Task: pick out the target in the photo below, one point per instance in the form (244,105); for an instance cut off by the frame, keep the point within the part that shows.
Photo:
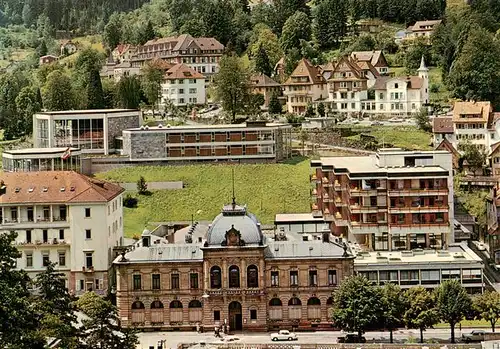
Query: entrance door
(235,316)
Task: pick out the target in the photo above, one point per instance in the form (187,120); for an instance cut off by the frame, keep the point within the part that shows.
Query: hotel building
(66,218)
(253,141)
(394,200)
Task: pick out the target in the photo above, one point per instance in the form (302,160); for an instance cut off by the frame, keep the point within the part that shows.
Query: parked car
(284,335)
(352,338)
(376,123)
(474,336)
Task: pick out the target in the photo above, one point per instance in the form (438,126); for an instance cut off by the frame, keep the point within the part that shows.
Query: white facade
(182,92)
(348,102)
(78,236)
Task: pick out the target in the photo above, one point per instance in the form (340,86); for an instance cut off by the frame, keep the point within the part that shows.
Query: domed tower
(423,73)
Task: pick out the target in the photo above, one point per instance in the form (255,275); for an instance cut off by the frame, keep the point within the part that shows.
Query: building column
(224,273)
(106,135)
(205,275)
(262,274)
(243,274)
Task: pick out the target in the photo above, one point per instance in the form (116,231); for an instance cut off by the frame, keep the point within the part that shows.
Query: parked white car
(284,335)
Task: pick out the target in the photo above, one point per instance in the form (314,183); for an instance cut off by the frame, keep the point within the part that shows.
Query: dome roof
(234,226)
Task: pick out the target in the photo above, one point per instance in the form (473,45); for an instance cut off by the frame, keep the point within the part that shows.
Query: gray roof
(237,217)
(174,252)
(303,250)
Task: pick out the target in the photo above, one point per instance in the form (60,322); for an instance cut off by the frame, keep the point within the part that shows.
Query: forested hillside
(80,16)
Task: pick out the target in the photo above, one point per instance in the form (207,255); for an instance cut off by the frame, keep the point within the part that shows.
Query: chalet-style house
(183,86)
(264,85)
(305,86)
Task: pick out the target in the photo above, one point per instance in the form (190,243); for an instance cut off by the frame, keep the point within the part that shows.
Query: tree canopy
(452,303)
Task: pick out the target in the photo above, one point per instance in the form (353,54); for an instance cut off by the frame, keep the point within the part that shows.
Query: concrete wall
(148,145)
(117,125)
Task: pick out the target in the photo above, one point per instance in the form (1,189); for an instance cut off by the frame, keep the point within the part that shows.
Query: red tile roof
(55,187)
(306,69)
(182,71)
(442,125)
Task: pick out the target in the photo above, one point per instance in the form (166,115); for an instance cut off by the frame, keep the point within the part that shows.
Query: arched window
(294,308)
(234,276)
(329,301)
(275,309)
(137,305)
(275,302)
(175,305)
(252,276)
(313,301)
(215,277)
(194,304)
(157,305)
(294,301)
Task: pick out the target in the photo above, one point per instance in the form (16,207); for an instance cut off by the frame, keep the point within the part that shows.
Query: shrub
(130,201)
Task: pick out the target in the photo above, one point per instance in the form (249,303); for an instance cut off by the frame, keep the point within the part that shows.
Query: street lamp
(192,216)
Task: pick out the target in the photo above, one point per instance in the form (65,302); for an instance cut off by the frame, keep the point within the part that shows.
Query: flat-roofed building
(394,200)
(42,159)
(92,131)
(66,218)
(427,268)
(251,141)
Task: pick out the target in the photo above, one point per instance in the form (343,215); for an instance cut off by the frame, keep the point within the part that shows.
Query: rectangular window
(192,90)
(82,285)
(174,281)
(155,281)
(62,213)
(29,259)
(30,214)
(62,259)
(61,234)
(193,280)
(294,278)
(137,282)
(87,212)
(275,278)
(13,214)
(253,314)
(332,277)
(89,259)
(313,278)
(88,234)
(28,235)
(216,315)
(45,259)
(181,91)
(97,284)
(45,235)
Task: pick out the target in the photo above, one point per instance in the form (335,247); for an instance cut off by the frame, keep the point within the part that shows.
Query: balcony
(418,192)
(48,243)
(365,228)
(339,220)
(417,209)
(41,222)
(88,269)
(365,209)
(416,228)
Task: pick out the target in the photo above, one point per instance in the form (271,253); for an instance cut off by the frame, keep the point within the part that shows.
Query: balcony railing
(53,242)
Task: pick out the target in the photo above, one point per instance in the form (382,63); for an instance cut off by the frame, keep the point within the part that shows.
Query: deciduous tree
(58,92)
(152,79)
(28,103)
(112,31)
(296,28)
(262,64)
(488,306)
(452,303)
(474,155)
(321,110)
(231,85)
(393,306)
(128,93)
(356,305)
(420,309)
(95,94)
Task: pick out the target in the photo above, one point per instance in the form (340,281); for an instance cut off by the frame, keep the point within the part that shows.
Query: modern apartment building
(394,200)
(92,131)
(305,85)
(252,141)
(234,275)
(183,86)
(201,54)
(42,159)
(66,218)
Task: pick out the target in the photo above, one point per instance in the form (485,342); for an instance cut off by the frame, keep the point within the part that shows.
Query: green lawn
(267,189)
(466,324)
(407,137)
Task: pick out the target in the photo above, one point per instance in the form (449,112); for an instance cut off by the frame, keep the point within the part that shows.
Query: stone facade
(145,145)
(117,125)
(246,281)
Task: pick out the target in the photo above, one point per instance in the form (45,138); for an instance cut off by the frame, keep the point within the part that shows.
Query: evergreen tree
(41,50)
(95,94)
(262,64)
(283,10)
(101,328)
(274,104)
(28,103)
(142,186)
(55,303)
(147,33)
(296,28)
(330,22)
(321,110)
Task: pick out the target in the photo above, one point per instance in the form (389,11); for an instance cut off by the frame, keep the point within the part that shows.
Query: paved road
(174,338)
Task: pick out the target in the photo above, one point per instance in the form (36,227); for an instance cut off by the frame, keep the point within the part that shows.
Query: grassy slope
(407,137)
(266,189)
